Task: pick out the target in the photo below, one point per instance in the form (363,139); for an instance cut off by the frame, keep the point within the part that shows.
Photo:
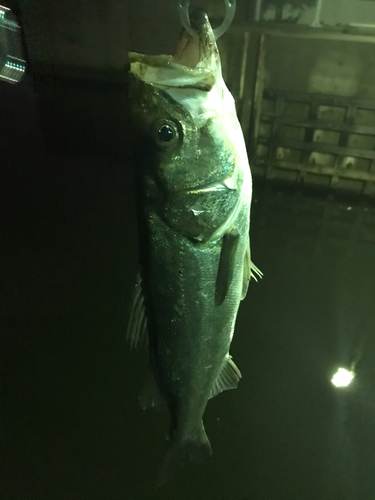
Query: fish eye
(166,134)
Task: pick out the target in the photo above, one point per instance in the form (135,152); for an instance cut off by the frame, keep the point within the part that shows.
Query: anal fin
(228,378)
(150,396)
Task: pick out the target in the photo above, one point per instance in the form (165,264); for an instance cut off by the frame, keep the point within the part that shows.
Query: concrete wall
(96,35)
(76,33)
(77,52)
(338,67)
(333,12)
(78,36)
(327,66)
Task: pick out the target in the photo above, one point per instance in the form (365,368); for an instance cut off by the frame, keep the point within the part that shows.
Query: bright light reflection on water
(342,378)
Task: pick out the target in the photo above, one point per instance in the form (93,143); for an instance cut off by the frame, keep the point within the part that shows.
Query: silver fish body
(193,201)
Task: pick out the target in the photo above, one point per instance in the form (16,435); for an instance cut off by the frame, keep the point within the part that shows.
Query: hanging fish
(193,199)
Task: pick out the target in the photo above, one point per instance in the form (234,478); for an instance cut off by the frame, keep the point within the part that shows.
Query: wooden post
(343,141)
(257,102)
(279,12)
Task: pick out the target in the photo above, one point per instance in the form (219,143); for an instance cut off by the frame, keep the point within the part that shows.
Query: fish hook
(230,6)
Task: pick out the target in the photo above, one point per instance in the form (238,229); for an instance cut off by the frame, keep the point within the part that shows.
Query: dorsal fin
(137,326)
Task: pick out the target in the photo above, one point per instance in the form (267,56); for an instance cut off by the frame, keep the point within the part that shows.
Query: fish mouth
(195,63)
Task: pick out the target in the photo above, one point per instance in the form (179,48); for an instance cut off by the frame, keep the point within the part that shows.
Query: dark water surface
(70,426)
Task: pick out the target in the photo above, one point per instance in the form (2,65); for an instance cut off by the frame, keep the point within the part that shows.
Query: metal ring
(230,10)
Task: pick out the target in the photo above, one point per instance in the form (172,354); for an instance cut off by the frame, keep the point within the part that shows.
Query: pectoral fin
(137,326)
(226,267)
(246,271)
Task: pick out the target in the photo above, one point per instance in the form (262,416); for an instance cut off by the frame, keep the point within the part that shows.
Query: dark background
(70,426)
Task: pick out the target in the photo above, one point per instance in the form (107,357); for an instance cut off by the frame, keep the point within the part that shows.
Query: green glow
(13,65)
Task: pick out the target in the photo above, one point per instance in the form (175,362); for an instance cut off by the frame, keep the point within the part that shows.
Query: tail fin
(195,449)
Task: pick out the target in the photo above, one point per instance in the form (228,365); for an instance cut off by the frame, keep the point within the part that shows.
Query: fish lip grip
(230,10)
